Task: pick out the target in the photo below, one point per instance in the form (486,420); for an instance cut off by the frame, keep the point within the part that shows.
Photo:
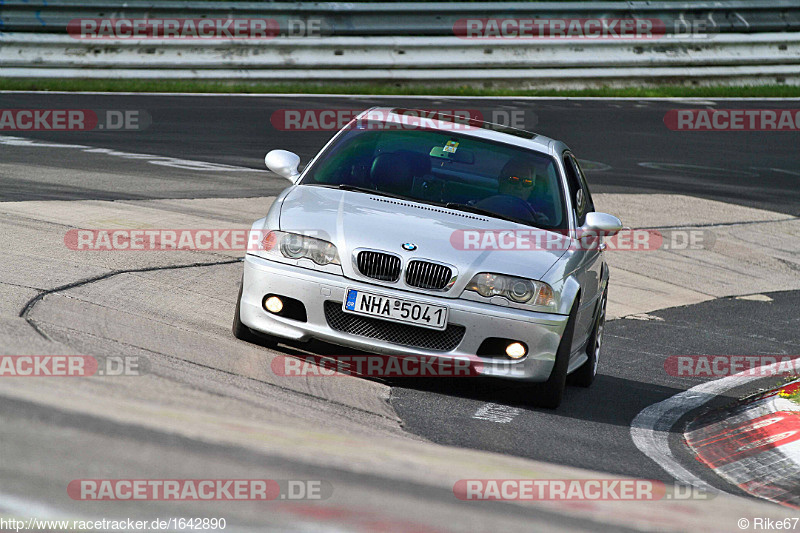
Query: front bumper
(540,331)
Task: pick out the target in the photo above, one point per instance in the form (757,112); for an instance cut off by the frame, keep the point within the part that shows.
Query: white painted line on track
(187,164)
(14,505)
(495,412)
(643,317)
(755,298)
(650,429)
(781,170)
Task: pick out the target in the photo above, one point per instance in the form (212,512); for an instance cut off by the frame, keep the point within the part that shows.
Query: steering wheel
(506,204)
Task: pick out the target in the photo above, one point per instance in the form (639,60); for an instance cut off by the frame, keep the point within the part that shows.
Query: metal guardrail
(406,19)
(749,42)
(353,54)
(726,58)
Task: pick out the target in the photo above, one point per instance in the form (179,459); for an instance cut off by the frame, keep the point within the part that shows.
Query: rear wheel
(584,376)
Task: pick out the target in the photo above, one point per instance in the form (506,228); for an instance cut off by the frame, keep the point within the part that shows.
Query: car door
(590,267)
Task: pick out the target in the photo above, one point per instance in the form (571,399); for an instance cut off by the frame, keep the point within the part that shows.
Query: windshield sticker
(451,147)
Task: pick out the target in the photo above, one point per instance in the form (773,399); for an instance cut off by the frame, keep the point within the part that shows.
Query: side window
(577,193)
(584,186)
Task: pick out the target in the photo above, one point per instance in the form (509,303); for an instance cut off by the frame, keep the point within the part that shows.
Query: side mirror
(283,163)
(602,223)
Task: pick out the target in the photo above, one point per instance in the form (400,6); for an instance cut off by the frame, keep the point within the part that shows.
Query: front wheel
(239,330)
(552,390)
(243,333)
(584,376)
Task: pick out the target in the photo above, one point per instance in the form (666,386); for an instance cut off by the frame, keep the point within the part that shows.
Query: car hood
(354,220)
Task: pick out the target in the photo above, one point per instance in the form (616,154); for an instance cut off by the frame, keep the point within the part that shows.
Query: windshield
(445,168)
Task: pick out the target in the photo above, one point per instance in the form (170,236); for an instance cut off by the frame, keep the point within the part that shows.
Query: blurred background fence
(697,43)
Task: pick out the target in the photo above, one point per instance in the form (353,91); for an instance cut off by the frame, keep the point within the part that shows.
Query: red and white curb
(652,427)
(754,445)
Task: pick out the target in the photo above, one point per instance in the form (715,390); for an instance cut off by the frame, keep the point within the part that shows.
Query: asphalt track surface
(757,169)
(592,428)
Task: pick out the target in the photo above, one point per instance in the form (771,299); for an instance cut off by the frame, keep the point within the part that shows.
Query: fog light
(274,304)
(515,350)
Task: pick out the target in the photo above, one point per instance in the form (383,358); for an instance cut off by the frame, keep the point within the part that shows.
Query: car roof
(468,126)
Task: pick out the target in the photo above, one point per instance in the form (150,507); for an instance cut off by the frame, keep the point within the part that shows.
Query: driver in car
(518,179)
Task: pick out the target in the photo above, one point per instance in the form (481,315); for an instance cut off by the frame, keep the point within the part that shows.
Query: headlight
(519,290)
(293,246)
(296,246)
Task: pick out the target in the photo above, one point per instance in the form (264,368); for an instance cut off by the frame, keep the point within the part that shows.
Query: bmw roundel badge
(409,246)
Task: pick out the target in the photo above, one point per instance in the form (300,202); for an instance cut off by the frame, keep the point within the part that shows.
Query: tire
(584,376)
(552,390)
(242,332)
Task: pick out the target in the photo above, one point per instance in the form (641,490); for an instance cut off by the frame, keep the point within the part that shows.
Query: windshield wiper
(479,211)
(356,188)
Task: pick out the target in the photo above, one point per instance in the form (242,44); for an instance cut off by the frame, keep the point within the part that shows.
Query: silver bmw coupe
(430,234)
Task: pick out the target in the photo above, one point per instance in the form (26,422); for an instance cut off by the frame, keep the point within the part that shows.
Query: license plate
(395,309)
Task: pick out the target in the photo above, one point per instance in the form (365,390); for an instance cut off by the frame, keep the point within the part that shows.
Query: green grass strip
(198,86)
